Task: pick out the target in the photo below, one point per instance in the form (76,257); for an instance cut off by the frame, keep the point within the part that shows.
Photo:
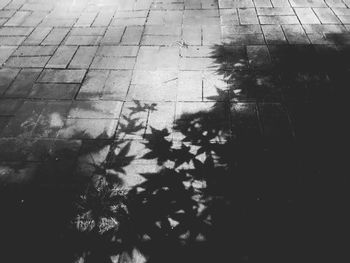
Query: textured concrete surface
(71,70)
(258,87)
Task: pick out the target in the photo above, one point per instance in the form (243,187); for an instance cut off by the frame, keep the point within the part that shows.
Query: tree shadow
(51,187)
(259,173)
(254,173)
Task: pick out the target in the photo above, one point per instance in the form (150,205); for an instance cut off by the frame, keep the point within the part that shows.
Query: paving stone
(179,34)
(132,35)
(117,51)
(295,34)
(6,78)
(18,18)
(326,16)
(227,31)
(95,110)
(209,4)
(133,123)
(52,119)
(245,123)
(185,110)
(344,19)
(258,56)
(248,16)
(103,18)
(2,21)
(6,13)
(280,3)
(164,17)
(212,83)
(341,11)
(86,19)
(88,31)
(236,54)
(274,34)
(160,30)
(142,5)
(306,16)
(152,58)
(131,14)
(15,31)
(3,122)
(148,93)
(25,51)
(156,79)
(235,4)
(58,22)
(162,117)
(229,17)
(27,62)
(275,11)
(62,76)
(262,3)
(308,3)
(197,51)
(5,53)
(59,91)
(136,21)
(92,153)
(56,36)
(205,21)
(34,19)
(93,84)
(335,3)
(322,29)
(211,35)
(16,4)
(319,39)
(167,6)
(197,64)
(246,39)
(37,7)
(24,149)
(189,86)
(153,85)
(24,121)
(278,20)
(23,83)
(113,35)
(88,129)
(83,57)
(62,57)
(201,12)
(117,85)
(83,40)
(11,40)
(113,63)
(9,107)
(192,35)
(149,40)
(37,36)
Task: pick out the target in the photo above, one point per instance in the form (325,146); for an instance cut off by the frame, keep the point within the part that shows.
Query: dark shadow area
(260,175)
(257,175)
(59,197)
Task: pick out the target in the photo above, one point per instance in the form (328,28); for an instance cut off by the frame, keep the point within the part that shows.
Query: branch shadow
(259,172)
(56,193)
(254,173)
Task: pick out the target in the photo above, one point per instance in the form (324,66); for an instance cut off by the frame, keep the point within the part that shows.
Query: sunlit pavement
(78,76)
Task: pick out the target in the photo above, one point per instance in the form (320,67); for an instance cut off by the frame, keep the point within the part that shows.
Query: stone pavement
(77,75)
(70,69)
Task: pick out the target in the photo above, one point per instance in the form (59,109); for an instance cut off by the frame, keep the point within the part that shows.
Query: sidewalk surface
(265,76)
